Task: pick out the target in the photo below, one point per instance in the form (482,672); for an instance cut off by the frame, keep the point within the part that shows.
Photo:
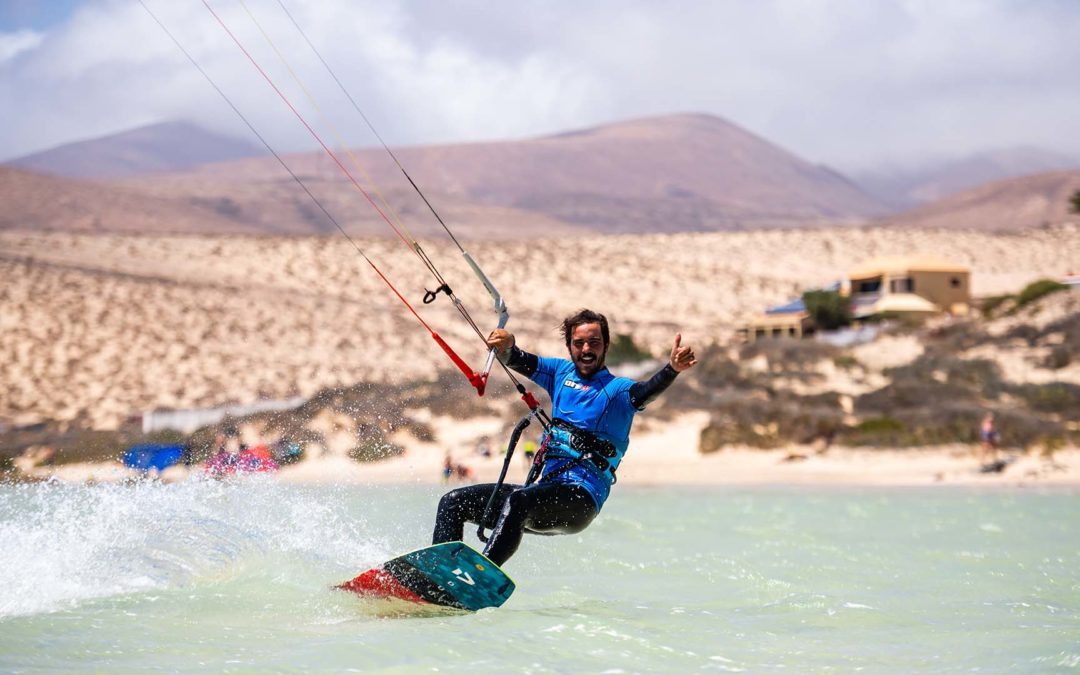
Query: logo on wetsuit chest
(577,385)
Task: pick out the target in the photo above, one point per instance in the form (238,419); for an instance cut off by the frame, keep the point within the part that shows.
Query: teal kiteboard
(445,575)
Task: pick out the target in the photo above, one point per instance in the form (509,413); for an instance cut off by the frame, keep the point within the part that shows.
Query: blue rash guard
(600,404)
(582,448)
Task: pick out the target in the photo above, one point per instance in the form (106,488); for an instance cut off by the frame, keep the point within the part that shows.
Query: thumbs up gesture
(682,358)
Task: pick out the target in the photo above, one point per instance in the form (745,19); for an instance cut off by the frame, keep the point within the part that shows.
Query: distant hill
(37,202)
(169,146)
(1013,204)
(905,188)
(665,174)
(684,172)
(674,173)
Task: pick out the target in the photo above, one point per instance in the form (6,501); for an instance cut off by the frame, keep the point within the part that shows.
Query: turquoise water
(221,577)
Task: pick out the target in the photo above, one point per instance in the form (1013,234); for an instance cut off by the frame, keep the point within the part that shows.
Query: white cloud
(846,82)
(13,44)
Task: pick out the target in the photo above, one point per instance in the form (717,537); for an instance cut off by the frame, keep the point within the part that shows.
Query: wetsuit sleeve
(644,393)
(521,361)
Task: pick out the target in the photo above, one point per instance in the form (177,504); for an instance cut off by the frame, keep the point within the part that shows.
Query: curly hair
(581,317)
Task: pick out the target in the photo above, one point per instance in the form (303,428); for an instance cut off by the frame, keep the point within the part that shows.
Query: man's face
(587,349)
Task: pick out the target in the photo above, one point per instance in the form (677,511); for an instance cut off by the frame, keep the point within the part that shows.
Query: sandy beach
(661,454)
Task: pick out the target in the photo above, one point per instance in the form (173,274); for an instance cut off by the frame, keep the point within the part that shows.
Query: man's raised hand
(682,358)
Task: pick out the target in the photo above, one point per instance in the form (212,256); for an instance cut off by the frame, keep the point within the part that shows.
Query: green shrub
(976,376)
(904,395)
(828,309)
(1061,398)
(773,423)
(375,449)
(915,427)
(878,432)
(874,425)
(846,362)
(1038,289)
(950,423)
(992,303)
(623,349)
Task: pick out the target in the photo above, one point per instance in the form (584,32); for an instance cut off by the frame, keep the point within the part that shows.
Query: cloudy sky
(854,84)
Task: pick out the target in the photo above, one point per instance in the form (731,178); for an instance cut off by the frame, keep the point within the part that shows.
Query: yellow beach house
(921,285)
(908,285)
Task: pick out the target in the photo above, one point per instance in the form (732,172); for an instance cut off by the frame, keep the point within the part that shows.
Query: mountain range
(907,187)
(167,146)
(675,173)
(1012,204)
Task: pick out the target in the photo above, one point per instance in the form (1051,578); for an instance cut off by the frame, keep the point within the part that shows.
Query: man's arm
(644,393)
(520,360)
(502,341)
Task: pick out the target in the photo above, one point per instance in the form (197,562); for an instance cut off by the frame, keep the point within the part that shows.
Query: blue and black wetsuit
(580,455)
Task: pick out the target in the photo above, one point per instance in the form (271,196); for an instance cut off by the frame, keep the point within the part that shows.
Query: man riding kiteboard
(576,465)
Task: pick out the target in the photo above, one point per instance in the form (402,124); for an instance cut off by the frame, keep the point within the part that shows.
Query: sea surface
(236,577)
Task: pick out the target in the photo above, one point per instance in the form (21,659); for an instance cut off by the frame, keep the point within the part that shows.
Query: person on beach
(578,457)
(452,470)
(234,457)
(448,468)
(988,446)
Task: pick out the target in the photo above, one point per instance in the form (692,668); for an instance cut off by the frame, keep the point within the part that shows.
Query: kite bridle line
(501,310)
(477,379)
(500,307)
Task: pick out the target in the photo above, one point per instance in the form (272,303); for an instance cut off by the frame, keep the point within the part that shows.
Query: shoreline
(662,454)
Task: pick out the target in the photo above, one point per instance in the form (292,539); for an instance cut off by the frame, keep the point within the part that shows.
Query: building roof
(903,303)
(910,263)
(793,307)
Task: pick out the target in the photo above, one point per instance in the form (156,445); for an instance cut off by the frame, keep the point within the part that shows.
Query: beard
(590,367)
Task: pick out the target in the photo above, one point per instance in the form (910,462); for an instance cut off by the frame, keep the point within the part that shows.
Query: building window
(902,285)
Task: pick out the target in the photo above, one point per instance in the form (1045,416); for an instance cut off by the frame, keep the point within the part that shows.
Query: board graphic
(448,575)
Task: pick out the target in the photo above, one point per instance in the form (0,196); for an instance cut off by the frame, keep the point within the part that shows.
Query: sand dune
(98,327)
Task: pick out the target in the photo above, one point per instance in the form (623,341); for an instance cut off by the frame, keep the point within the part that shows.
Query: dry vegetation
(938,396)
(97,328)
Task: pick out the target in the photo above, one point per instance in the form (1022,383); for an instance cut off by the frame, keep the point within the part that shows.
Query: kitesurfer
(578,457)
